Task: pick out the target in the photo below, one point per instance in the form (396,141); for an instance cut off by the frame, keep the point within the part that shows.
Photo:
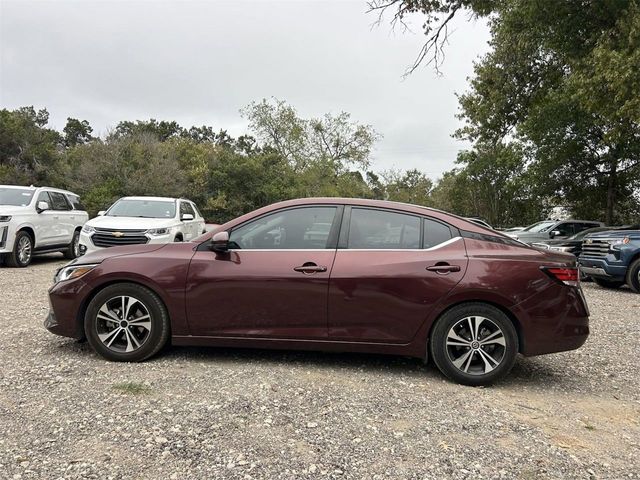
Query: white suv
(37,220)
(136,220)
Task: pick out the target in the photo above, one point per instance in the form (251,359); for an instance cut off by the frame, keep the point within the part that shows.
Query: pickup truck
(612,258)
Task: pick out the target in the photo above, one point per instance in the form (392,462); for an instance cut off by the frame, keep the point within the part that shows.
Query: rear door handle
(310,267)
(444,268)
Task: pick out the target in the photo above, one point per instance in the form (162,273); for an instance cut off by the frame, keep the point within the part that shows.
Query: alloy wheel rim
(24,250)
(123,324)
(476,345)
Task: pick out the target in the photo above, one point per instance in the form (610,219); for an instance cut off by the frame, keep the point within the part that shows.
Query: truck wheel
(633,276)
(73,251)
(22,251)
(608,283)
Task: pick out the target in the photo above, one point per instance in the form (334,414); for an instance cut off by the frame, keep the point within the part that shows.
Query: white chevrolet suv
(136,220)
(37,220)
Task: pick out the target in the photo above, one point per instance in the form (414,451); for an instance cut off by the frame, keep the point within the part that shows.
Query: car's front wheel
(126,322)
(73,250)
(22,251)
(474,344)
(633,276)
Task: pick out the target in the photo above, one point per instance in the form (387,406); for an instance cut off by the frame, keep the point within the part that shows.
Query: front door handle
(443,268)
(310,267)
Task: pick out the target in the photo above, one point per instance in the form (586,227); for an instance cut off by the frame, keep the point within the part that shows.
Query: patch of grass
(132,388)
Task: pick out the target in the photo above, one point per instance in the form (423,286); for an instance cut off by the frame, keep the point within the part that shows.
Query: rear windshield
(143,209)
(17,197)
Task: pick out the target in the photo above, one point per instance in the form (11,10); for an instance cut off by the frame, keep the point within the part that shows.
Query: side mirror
(42,206)
(101,213)
(186,217)
(220,242)
(555,233)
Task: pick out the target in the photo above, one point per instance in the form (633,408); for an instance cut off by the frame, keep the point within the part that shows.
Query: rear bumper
(554,320)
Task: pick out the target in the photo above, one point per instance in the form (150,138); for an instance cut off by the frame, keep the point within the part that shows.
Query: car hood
(561,243)
(131,223)
(615,234)
(12,210)
(100,255)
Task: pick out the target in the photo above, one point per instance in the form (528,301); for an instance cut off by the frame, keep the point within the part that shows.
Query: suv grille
(110,237)
(595,248)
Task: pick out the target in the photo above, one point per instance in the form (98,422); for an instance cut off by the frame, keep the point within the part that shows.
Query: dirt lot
(219,413)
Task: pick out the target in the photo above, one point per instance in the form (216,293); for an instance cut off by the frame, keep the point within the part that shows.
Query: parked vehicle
(480,222)
(36,220)
(383,277)
(612,258)
(572,245)
(141,220)
(552,229)
(510,230)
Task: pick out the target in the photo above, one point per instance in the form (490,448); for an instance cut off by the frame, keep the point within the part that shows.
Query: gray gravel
(221,413)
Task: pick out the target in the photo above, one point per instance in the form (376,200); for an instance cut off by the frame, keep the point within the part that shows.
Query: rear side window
(195,209)
(435,233)
(380,229)
(75,202)
(59,201)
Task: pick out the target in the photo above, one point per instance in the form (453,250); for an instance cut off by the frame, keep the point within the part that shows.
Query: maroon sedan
(331,274)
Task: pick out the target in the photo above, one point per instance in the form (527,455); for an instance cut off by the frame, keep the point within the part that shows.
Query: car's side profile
(331,274)
(36,220)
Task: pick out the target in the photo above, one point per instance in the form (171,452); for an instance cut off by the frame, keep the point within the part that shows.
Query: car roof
(153,199)
(33,187)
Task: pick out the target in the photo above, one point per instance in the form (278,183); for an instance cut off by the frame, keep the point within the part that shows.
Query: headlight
(5,218)
(619,241)
(561,249)
(88,229)
(72,271)
(156,232)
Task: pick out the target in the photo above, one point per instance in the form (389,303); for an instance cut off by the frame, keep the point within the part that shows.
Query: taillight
(567,275)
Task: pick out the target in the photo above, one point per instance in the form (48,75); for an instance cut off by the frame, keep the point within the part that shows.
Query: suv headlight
(88,229)
(5,218)
(72,271)
(157,232)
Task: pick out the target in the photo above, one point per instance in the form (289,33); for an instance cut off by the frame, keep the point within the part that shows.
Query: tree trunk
(611,191)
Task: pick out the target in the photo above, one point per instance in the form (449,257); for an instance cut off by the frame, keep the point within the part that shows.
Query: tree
(77,132)
(333,139)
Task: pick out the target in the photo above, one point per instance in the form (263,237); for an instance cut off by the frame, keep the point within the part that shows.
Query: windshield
(143,209)
(17,197)
(540,226)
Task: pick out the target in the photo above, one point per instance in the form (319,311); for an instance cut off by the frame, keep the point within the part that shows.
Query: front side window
(565,229)
(16,197)
(380,229)
(142,208)
(59,201)
(44,197)
(185,208)
(435,233)
(300,228)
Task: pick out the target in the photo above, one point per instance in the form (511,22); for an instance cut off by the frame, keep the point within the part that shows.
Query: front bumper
(66,302)
(6,238)
(609,268)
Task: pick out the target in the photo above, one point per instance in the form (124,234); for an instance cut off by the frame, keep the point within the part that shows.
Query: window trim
(332,239)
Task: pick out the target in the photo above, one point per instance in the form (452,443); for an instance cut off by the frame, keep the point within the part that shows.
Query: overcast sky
(200,62)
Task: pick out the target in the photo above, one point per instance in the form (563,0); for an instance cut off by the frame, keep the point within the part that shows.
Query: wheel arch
(87,300)
(510,315)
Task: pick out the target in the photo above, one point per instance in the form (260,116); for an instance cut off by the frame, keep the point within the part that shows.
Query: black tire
(72,250)
(177,238)
(155,339)
(475,362)
(633,276)
(16,259)
(608,283)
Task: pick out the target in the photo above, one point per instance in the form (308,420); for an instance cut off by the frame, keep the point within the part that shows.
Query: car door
(564,230)
(391,269)
(189,226)
(45,223)
(64,218)
(272,282)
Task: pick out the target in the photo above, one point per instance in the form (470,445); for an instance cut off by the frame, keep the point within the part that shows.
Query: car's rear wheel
(608,283)
(73,250)
(474,344)
(22,251)
(633,276)
(126,322)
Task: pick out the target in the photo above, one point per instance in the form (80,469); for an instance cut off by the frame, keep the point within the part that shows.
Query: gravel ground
(221,413)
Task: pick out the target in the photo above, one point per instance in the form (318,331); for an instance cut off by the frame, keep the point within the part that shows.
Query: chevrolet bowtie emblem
(118,234)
